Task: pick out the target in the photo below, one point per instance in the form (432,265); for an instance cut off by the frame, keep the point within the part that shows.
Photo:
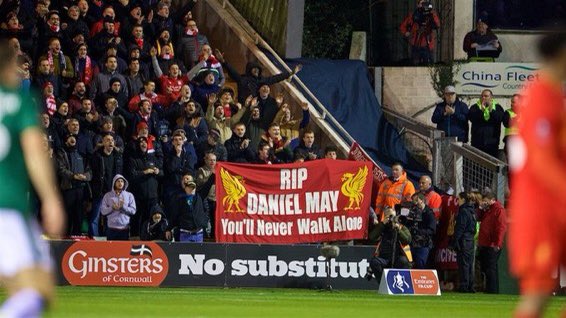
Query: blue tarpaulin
(343,87)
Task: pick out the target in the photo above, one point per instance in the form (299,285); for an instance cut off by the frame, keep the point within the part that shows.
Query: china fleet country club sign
(322,200)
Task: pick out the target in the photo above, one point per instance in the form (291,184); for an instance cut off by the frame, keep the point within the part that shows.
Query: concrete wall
(408,90)
(463,23)
(517,47)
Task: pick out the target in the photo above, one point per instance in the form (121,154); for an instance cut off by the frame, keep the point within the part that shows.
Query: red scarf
(54,28)
(140,42)
(51,105)
(211,62)
(191,33)
(86,77)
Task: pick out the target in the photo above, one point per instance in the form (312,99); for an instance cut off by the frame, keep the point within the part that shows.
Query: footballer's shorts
(21,245)
(537,242)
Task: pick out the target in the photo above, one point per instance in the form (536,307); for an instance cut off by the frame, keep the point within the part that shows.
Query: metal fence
(453,165)
(474,169)
(417,137)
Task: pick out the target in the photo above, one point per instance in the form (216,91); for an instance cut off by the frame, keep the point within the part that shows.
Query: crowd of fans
(136,113)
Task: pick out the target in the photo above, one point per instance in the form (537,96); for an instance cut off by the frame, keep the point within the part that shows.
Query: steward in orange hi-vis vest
(394,190)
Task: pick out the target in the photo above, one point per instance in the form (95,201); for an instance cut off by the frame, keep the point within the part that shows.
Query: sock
(26,303)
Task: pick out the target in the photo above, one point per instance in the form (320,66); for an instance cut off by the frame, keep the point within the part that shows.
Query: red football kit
(537,237)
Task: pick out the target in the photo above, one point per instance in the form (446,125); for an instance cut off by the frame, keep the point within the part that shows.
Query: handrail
(478,156)
(411,124)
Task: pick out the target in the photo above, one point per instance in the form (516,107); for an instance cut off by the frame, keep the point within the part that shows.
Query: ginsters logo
(353,187)
(115,264)
(235,191)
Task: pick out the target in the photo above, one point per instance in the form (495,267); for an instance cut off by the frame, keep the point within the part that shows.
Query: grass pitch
(247,302)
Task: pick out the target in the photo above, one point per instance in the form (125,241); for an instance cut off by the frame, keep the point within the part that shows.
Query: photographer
(418,28)
(422,225)
(392,251)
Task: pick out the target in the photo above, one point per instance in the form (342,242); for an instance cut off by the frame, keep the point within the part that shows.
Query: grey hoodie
(118,219)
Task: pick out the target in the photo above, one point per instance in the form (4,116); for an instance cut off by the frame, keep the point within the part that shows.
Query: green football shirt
(17,112)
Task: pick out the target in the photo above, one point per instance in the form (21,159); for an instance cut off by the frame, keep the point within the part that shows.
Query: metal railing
(475,169)
(297,88)
(452,164)
(420,140)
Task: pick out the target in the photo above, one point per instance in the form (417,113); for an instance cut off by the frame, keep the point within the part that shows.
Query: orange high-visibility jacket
(393,192)
(434,201)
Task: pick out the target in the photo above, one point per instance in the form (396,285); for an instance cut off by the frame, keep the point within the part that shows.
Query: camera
(408,213)
(423,15)
(427,7)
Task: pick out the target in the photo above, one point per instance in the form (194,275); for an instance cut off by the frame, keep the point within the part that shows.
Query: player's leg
(24,266)
(534,246)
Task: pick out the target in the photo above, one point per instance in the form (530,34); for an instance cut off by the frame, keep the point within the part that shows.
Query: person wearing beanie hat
(74,174)
(101,83)
(115,90)
(451,115)
(482,37)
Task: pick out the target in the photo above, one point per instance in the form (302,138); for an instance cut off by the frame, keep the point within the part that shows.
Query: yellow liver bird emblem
(234,191)
(353,187)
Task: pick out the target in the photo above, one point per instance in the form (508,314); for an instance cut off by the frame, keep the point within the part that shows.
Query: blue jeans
(420,256)
(117,235)
(196,237)
(94,219)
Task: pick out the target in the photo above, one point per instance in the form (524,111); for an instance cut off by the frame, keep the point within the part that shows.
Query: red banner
(315,201)
(445,257)
(358,154)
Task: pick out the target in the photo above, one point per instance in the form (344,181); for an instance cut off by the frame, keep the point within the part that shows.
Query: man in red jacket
(493,226)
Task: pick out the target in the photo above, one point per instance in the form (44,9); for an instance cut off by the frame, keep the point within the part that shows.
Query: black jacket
(237,154)
(102,174)
(249,84)
(66,169)
(304,150)
(175,167)
(144,185)
(422,231)
(387,241)
(268,110)
(465,227)
(188,217)
(486,134)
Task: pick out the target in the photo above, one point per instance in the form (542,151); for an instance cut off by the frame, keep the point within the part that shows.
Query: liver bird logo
(353,186)
(234,189)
